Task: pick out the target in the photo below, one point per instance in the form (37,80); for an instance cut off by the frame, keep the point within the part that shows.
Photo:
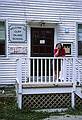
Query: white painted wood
(63,11)
(20,101)
(19,70)
(66,73)
(78,91)
(19,78)
(47,90)
(53,64)
(7,38)
(64,69)
(7,71)
(34,70)
(37,69)
(49,70)
(76,37)
(72,99)
(45,70)
(57,71)
(74,71)
(57,14)
(29,77)
(25,70)
(41,70)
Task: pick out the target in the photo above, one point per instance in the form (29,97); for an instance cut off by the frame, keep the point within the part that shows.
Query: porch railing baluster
(45,70)
(25,70)
(37,69)
(41,70)
(49,70)
(29,70)
(53,69)
(64,69)
(33,70)
(57,70)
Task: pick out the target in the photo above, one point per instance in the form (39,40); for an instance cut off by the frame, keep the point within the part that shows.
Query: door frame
(38,26)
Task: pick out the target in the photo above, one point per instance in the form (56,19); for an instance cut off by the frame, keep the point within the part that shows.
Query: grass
(9,111)
(76,111)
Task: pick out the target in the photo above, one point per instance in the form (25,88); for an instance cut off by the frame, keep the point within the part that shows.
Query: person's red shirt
(62,52)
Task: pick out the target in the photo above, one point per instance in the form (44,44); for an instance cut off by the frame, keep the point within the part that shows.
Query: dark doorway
(42,42)
(42,45)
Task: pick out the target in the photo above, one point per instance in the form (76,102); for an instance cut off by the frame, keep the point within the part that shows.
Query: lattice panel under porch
(78,102)
(47,101)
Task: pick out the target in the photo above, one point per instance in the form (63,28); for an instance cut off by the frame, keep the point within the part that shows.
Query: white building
(29,31)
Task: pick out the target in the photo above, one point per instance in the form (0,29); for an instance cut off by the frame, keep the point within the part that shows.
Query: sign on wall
(68,48)
(17,33)
(18,50)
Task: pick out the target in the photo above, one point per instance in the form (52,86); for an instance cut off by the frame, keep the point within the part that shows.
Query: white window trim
(76,40)
(80,56)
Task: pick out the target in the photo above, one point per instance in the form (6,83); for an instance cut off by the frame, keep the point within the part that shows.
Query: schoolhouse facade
(29,31)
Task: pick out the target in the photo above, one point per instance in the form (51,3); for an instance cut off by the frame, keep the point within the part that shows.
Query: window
(2,37)
(79,39)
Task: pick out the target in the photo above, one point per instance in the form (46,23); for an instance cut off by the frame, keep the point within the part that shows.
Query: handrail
(49,57)
(35,77)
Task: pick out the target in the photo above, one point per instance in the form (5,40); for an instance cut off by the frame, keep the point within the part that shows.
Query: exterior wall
(66,12)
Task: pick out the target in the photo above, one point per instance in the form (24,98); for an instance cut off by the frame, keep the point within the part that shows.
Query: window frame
(78,39)
(71,52)
(6,37)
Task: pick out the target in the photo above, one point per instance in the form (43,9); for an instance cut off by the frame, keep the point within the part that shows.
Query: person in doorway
(59,51)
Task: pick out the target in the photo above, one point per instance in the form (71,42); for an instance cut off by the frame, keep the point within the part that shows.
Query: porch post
(19,77)
(64,66)
(20,97)
(74,84)
(73,99)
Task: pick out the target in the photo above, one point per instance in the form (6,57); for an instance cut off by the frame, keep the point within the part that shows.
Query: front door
(42,45)
(42,42)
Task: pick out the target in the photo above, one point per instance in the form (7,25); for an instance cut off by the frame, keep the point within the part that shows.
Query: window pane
(2,38)
(79,39)
(2,35)
(79,47)
(2,25)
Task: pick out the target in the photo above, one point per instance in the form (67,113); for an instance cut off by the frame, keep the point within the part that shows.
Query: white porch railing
(39,71)
(45,70)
